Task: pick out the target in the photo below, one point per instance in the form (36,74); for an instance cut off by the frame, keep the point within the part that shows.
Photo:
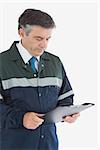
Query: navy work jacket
(21,91)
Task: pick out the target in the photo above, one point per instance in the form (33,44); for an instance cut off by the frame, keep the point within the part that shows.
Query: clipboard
(57,114)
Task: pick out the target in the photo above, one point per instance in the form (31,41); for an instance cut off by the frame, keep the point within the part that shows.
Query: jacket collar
(13,51)
(15,55)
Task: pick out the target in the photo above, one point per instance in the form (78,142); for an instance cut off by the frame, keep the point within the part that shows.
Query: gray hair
(27,28)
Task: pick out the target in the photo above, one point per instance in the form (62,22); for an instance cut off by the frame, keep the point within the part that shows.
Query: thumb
(40,115)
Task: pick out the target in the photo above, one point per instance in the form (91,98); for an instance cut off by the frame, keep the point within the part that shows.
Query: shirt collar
(26,56)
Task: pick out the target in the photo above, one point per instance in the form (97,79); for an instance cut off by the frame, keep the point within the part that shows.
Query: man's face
(37,40)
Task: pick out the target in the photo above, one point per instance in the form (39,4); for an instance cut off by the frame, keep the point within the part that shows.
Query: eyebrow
(42,37)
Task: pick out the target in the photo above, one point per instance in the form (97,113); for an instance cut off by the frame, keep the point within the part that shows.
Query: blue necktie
(32,63)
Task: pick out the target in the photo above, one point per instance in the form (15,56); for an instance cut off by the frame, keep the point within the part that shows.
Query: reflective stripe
(69,93)
(24,82)
(1,96)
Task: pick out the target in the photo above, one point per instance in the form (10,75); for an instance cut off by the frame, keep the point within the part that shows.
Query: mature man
(32,83)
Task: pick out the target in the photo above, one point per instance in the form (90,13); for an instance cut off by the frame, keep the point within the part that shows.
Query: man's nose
(43,44)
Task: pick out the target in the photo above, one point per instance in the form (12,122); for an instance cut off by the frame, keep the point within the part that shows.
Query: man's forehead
(42,29)
(41,32)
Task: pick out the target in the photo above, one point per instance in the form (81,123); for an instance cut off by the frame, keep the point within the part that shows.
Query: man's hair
(31,17)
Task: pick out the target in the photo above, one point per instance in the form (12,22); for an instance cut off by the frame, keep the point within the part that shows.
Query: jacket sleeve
(9,117)
(66,93)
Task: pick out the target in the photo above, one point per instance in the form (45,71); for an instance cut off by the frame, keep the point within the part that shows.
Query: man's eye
(38,39)
(48,39)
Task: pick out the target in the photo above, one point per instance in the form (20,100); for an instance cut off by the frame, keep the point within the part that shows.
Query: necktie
(32,62)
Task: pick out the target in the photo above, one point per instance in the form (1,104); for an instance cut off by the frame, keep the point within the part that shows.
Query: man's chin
(39,53)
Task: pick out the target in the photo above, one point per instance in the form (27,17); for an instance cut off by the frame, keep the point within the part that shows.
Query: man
(28,90)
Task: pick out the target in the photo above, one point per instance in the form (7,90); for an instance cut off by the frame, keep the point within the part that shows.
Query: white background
(75,41)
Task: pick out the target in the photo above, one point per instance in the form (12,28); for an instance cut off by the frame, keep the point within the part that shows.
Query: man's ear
(21,32)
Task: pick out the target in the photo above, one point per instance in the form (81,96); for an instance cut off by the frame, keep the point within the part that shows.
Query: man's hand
(72,118)
(32,120)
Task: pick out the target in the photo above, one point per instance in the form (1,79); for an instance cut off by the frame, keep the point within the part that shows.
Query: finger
(37,119)
(40,115)
(37,124)
(70,119)
(67,118)
(76,115)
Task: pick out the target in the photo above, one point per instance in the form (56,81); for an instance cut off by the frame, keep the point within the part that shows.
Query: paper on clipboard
(59,112)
